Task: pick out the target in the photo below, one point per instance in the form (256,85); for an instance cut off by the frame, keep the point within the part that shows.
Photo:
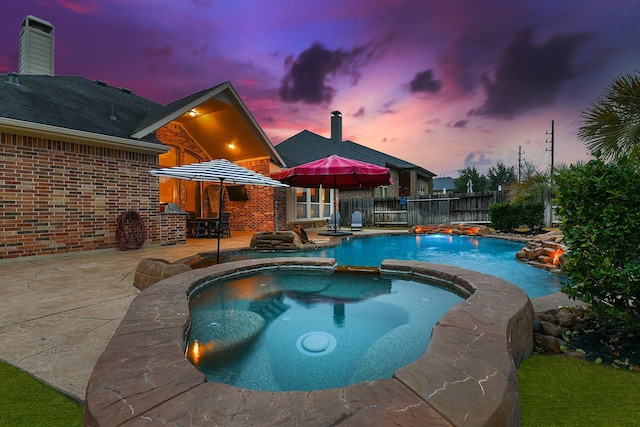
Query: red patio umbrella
(335,172)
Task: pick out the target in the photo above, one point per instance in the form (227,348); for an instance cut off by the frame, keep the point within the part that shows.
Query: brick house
(77,153)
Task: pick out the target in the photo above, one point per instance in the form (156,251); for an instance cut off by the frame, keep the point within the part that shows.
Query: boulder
(551,329)
(279,240)
(546,344)
(565,317)
(152,270)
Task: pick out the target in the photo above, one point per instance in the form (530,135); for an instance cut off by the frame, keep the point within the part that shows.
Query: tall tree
(501,175)
(611,127)
(478,181)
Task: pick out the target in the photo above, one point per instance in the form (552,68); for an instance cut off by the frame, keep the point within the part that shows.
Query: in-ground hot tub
(292,330)
(467,376)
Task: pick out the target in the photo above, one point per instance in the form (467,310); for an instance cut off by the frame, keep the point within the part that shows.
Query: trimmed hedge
(509,216)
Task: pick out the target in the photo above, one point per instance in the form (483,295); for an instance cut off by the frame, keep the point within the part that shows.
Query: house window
(384,192)
(313,203)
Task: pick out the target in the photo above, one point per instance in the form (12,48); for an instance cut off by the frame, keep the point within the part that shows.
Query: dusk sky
(442,84)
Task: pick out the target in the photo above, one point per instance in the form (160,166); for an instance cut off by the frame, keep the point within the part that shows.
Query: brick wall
(258,212)
(58,196)
(173,228)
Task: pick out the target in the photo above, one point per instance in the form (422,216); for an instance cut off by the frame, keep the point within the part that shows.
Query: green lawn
(25,401)
(558,391)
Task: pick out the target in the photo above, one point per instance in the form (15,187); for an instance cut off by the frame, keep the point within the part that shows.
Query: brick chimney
(36,47)
(336,126)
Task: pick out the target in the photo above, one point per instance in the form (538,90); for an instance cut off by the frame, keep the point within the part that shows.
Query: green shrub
(531,214)
(509,216)
(601,225)
(503,217)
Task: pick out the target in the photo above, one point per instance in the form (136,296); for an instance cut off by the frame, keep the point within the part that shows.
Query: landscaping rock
(457,229)
(546,344)
(549,328)
(565,317)
(279,240)
(544,251)
(152,270)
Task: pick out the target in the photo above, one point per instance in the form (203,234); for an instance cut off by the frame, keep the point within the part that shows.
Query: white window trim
(292,205)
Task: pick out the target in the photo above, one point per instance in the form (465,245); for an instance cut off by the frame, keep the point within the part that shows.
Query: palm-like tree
(612,124)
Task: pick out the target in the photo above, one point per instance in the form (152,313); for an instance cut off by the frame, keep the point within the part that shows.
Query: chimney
(336,126)
(36,47)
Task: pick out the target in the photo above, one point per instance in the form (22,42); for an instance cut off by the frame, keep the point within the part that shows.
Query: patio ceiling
(221,131)
(219,122)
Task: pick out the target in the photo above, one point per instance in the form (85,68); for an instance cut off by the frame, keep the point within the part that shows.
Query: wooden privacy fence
(450,208)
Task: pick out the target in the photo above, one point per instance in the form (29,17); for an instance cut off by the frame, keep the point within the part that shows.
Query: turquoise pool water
(290,331)
(486,255)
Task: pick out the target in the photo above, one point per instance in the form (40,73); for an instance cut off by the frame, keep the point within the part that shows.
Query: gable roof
(307,146)
(74,105)
(220,118)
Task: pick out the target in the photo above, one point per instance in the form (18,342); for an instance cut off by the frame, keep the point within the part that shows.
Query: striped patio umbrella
(218,170)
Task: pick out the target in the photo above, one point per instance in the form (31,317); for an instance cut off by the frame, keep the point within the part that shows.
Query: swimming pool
(485,255)
(291,331)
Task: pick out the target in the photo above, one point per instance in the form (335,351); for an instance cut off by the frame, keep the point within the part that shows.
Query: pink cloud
(83,7)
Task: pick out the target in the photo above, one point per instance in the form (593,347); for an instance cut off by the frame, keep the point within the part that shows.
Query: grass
(558,391)
(26,401)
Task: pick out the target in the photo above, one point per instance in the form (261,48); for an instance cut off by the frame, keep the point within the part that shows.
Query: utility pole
(552,148)
(548,208)
(520,153)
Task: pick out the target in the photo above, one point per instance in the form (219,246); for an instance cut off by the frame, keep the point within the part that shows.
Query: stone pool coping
(466,377)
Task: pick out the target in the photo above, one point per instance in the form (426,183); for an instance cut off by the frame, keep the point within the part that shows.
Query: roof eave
(82,137)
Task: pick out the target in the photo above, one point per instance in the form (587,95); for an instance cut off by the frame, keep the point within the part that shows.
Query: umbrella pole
(335,203)
(219,219)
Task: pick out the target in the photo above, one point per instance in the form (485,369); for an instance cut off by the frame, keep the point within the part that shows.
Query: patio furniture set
(208,227)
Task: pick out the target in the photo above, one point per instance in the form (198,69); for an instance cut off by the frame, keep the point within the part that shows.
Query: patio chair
(356,220)
(334,221)
(192,224)
(225,225)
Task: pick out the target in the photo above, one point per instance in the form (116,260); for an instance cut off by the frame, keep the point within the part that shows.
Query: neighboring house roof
(307,146)
(74,103)
(441,183)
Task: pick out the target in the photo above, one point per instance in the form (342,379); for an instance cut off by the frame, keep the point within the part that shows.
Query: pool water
(289,331)
(490,256)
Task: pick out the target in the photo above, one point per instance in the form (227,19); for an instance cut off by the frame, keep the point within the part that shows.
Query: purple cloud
(424,82)
(307,75)
(471,161)
(460,124)
(528,76)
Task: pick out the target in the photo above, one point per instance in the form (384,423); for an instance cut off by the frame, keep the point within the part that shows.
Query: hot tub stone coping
(466,377)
